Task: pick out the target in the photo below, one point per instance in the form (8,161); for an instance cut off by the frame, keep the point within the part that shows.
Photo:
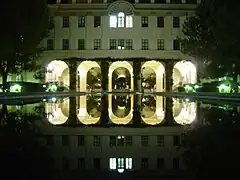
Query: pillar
(72,75)
(169,119)
(169,75)
(137,88)
(104,104)
(72,119)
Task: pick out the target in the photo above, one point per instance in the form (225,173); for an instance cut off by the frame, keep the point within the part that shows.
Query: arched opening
(152,109)
(184,72)
(184,112)
(89,78)
(120,109)
(153,76)
(123,69)
(92,112)
(57,111)
(89,73)
(58,72)
(120,77)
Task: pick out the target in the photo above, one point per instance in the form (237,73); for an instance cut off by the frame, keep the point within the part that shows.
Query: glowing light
(223,88)
(16,88)
(54,99)
(53,88)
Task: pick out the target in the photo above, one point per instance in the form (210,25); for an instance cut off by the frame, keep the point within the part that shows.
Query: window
(81,1)
(176,2)
(97,21)
(160,21)
(65,140)
(176,163)
(144,44)
(120,164)
(96,163)
(112,141)
(81,21)
(97,44)
(144,141)
(144,163)
(160,163)
(81,44)
(49,140)
(128,140)
(160,44)
(81,140)
(120,141)
(121,44)
(160,141)
(176,140)
(96,141)
(129,44)
(176,22)
(65,1)
(65,163)
(120,21)
(50,45)
(144,20)
(113,44)
(176,44)
(65,44)
(81,163)
(65,22)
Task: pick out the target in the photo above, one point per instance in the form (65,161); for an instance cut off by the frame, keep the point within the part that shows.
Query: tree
(213,148)
(212,36)
(26,23)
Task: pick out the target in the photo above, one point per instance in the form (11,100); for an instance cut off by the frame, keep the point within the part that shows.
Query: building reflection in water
(120,110)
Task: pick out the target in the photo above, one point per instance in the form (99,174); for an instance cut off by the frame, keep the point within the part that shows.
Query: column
(169,75)
(169,119)
(104,119)
(72,75)
(137,88)
(72,120)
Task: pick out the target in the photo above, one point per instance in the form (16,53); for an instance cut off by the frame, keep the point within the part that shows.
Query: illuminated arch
(184,72)
(158,116)
(57,71)
(116,120)
(57,113)
(82,113)
(184,112)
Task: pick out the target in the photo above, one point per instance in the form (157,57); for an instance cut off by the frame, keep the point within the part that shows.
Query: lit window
(128,163)
(112,163)
(121,17)
(113,21)
(121,21)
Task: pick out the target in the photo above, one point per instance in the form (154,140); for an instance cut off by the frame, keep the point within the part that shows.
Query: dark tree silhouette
(27,24)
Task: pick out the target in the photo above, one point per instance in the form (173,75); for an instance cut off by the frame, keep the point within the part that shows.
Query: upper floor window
(176,22)
(81,21)
(65,22)
(121,21)
(97,21)
(160,21)
(144,20)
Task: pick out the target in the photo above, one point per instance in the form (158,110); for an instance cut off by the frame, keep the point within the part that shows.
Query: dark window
(176,44)
(65,44)
(144,20)
(129,44)
(191,1)
(144,44)
(160,163)
(160,141)
(81,21)
(128,140)
(96,163)
(65,22)
(81,140)
(65,140)
(160,1)
(144,163)
(112,44)
(176,140)
(50,44)
(145,1)
(112,141)
(52,1)
(66,2)
(176,22)
(144,141)
(176,1)
(81,163)
(97,21)
(160,44)
(97,141)
(97,44)
(81,44)
(81,1)
(120,140)
(160,21)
